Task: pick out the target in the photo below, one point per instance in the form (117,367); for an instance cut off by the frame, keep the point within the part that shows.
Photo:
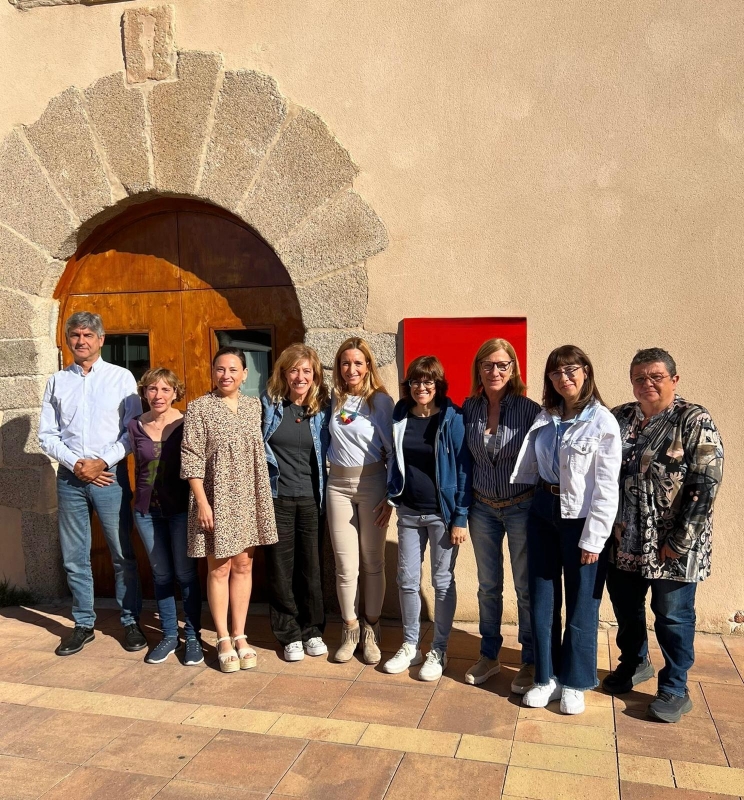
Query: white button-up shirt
(86,416)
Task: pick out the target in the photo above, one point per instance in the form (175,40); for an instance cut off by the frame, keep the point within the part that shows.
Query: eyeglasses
(569,372)
(655,379)
(426,384)
(490,366)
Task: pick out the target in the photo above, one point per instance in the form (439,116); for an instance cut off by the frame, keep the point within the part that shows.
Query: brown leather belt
(512,501)
(553,488)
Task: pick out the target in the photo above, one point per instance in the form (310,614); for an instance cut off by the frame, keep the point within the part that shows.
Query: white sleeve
(50,435)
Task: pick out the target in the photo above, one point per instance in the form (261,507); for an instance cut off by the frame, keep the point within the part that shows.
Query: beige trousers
(351,498)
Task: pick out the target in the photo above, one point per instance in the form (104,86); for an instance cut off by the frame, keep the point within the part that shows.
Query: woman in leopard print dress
(230,511)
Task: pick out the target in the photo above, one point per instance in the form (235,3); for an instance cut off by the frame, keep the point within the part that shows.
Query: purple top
(158,482)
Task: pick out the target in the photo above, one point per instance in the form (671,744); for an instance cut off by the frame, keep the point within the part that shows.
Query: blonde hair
(488,348)
(372,382)
(156,374)
(277,386)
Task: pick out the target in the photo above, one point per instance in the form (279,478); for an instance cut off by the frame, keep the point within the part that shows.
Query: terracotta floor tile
(484,748)
(16,720)
(340,731)
(691,739)
(26,779)
(593,716)
(338,772)
(411,740)
(324,667)
(643,769)
(726,703)
(89,783)
(732,737)
(223,689)
(735,647)
(314,697)
(79,672)
(707,778)
(153,681)
(472,709)
(528,730)
(715,668)
(387,705)
(108,646)
(554,758)
(67,736)
(232,719)
(455,779)
(709,643)
(464,645)
(153,748)
(637,701)
(20,694)
(645,791)
(187,790)
(17,666)
(243,759)
(542,785)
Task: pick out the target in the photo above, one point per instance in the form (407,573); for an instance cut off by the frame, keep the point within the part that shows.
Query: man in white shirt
(83,426)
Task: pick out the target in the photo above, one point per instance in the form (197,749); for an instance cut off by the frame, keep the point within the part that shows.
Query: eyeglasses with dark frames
(490,366)
(427,384)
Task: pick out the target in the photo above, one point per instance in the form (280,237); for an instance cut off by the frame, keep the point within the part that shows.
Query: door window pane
(128,350)
(256,345)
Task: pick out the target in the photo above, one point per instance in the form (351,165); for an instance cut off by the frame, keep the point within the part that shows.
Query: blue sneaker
(165,647)
(193,654)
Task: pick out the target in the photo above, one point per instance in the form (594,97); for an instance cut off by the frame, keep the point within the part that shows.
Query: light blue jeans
(164,539)
(414,531)
(487,528)
(76,500)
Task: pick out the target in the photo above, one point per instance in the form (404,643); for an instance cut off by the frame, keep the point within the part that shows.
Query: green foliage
(11,595)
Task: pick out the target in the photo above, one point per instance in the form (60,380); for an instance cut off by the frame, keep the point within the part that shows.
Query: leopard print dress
(226,450)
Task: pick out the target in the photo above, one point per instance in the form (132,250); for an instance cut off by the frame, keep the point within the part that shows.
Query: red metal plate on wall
(455,342)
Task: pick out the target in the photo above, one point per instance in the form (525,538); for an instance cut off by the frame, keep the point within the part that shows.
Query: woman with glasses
(573,453)
(361,429)
(497,418)
(430,485)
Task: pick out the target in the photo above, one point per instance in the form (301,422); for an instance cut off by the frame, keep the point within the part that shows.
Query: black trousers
(293,571)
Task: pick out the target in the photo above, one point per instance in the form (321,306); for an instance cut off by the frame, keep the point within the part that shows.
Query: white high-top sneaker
(540,696)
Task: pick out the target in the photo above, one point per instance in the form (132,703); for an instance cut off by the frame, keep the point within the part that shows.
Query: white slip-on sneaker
(434,666)
(315,646)
(408,655)
(572,701)
(540,696)
(293,651)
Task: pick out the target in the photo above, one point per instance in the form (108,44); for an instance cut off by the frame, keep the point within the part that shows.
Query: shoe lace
(667,697)
(294,646)
(434,657)
(315,641)
(404,651)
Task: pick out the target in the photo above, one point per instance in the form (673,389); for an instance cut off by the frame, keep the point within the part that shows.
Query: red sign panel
(455,341)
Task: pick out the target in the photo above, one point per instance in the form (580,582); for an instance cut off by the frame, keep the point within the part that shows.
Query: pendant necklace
(347,417)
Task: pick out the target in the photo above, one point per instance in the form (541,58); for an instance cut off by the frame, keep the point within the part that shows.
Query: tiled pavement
(102,724)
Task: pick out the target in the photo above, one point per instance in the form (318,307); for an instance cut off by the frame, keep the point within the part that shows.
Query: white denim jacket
(589,458)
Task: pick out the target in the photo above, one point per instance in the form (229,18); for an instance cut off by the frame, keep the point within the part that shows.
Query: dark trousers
(673,605)
(554,562)
(293,571)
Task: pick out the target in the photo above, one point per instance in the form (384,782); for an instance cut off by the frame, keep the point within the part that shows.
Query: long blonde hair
(372,382)
(489,347)
(277,386)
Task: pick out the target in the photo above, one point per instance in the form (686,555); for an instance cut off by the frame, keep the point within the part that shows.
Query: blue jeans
(414,531)
(673,604)
(164,539)
(554,552)
(76,501)
(487,528)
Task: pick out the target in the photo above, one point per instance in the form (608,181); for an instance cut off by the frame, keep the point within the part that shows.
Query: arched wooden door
(173,281)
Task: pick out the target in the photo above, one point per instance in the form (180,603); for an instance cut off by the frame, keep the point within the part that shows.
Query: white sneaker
(293,651)
(408,655)
(540,696)
(572,701)
(434,666)
(315,646)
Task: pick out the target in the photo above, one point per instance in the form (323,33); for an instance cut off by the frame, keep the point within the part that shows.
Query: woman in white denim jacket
(572,453)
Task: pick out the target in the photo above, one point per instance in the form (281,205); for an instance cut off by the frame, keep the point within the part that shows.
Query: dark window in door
(128,350)
(257,346)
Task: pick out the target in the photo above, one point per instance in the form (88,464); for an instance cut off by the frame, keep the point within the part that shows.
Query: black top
(292,445)
(420,488)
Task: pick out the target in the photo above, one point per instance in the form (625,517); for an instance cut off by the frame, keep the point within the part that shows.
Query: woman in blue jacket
(295,433)
(429,483)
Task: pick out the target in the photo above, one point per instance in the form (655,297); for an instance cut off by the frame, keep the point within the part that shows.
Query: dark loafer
(624,678)
(76,641)
(670,707)
(134,639)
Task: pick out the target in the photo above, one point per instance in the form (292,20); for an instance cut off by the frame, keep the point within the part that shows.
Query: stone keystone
(149,48)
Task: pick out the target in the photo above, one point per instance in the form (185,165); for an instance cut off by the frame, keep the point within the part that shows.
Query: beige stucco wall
(577,163)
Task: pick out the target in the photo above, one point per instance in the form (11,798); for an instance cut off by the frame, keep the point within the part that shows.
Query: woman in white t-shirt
(361,430)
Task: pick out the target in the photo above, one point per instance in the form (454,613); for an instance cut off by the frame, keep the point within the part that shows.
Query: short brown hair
(425,368)
(561,357)
(488,348)
(155,374)
(277,387)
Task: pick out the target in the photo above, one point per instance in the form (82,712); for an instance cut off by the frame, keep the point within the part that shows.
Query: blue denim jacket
(272,417)
(453,462)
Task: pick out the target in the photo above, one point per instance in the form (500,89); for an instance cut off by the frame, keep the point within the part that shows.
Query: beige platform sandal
(229,661)
(247,655)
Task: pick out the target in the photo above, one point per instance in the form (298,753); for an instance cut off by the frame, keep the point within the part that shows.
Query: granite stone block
(44,571)
(25,267)
(24,315)
(28,357)
(21,392)
(339,301)
(19,488)
(20,439)
(327,342)
(149,49)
